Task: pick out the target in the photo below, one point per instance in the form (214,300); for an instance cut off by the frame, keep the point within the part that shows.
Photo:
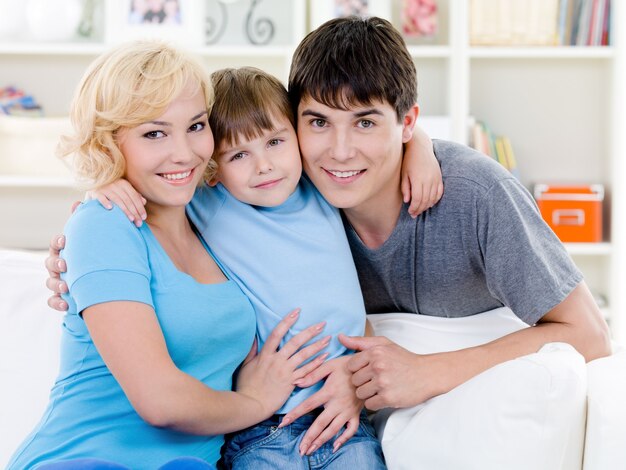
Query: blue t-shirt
(293,255)
(208,328)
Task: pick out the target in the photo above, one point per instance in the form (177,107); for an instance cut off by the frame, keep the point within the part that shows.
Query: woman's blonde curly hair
(132,84)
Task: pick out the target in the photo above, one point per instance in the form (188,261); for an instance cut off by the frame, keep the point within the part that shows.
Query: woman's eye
(198,126)
(274,142)
(154,134)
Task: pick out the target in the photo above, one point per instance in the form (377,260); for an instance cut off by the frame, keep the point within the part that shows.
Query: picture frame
(177,21)
(321,11)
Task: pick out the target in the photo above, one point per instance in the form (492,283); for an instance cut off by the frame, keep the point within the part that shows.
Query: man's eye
(366,124)
(318,122)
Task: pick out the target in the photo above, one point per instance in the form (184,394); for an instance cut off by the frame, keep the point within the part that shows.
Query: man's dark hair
(350,61)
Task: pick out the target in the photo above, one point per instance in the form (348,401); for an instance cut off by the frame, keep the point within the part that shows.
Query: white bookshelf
(562,107)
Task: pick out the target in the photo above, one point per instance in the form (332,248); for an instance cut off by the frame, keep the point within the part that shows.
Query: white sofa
(30,331)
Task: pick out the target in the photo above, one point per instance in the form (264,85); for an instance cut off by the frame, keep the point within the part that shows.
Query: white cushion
(528,413)
(29,346)
(605,446)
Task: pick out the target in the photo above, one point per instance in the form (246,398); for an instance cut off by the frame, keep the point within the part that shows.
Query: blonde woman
(155,330)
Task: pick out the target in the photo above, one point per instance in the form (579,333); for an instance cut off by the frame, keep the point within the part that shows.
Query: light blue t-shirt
(208,328)
(293,255)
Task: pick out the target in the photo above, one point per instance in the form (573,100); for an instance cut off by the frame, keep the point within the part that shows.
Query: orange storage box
(573,212)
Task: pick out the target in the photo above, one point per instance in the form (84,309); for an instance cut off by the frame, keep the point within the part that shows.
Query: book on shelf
(540,22)
(494,146)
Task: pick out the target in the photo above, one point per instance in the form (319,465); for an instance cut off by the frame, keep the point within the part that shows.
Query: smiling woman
(128,355)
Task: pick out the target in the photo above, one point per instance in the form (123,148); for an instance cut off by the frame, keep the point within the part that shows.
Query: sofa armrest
(29,346)
(606,413)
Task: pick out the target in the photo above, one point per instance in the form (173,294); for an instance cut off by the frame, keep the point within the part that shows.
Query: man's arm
(387,375)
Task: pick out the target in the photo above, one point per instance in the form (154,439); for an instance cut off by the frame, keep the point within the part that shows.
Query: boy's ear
(408,122)
(214,180)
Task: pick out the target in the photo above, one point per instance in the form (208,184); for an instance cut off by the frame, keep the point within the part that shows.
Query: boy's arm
(125,196)
(422,183)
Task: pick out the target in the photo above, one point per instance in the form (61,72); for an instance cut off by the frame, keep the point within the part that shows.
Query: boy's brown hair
(349,61)
(246,101)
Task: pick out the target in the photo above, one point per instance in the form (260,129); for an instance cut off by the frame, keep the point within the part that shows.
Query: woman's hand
(270,375)
(341,406)
(122,193)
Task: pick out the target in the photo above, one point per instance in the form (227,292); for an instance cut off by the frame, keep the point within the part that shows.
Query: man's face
(354,156)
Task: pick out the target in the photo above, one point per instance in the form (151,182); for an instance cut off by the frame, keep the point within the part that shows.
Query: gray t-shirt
(484,245)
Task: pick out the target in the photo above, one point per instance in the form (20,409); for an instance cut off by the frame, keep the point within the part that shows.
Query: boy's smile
(354,156)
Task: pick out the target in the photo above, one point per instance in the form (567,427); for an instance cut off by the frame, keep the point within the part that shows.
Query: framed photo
(178,21)
(324,10)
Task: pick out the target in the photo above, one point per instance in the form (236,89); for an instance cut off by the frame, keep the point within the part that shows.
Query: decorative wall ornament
(244,22)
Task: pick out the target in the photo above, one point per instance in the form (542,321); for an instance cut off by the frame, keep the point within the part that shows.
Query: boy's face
(264,171)
(354,156)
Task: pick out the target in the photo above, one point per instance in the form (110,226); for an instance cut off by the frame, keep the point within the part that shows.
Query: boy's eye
(318,122)
(237,156)
(198,126)
(365,123)
(154,134)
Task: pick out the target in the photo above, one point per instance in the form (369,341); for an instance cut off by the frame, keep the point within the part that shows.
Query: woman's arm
(131,343)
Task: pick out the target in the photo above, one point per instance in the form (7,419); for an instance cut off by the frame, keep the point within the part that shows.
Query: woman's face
(166,157)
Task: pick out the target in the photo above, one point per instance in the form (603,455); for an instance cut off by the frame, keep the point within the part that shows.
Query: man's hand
(55,266)
(387,375)
(341,407)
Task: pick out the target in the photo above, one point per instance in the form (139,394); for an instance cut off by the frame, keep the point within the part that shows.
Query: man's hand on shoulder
(55,266)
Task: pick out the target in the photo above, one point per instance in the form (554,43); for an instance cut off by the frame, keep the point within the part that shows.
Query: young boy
(278,238)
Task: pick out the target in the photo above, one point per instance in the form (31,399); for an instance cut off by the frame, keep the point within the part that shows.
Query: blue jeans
(266,447)
(182,463)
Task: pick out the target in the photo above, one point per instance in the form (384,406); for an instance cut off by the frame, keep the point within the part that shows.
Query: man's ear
(408,122)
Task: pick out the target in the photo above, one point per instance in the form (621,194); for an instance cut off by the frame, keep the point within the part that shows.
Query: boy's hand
(341,406)
(422,183)
(122,193)
(55,266)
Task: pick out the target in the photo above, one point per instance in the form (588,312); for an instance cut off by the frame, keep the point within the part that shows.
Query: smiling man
(483,246)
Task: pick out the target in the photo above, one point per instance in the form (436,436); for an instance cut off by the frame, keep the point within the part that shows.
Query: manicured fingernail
(294,314)
(320,326)
(144,216)
(63,305)
(298,382)
(59,240)
(63,288)
(311,449)
(284,422)
(336,446)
